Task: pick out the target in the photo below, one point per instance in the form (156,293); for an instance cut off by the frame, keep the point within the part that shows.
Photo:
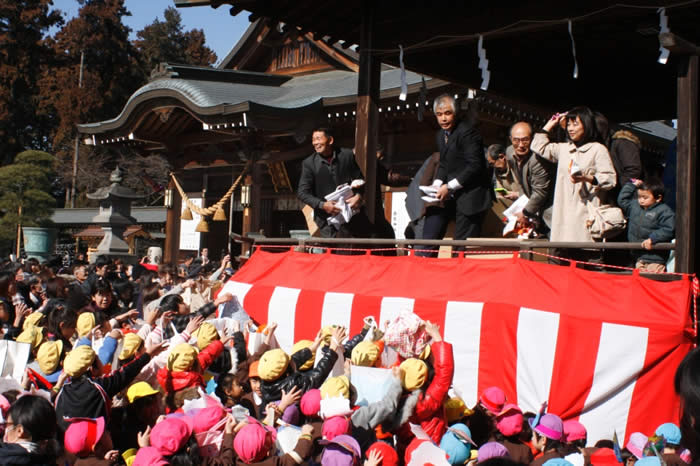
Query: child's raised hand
(374,458)
(144,438)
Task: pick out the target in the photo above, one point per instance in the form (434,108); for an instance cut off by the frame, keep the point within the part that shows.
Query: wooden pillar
(256,196)
(367,122)
(686,164)
(172,227)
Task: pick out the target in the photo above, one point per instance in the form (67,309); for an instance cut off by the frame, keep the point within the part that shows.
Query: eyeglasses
(516,141)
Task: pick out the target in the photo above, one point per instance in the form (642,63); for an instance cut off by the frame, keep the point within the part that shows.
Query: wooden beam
(686,164)
(367,122)
(678,45)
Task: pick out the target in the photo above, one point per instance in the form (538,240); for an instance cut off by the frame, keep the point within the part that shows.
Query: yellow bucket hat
(300,345)
(132,342)
(455,409)
(182,358)
(78,360)
(86,322)
(33,320)
(365,354)
(273,364)
(335,387)
(413,373)
(32,335)
(205,334)
(49,356)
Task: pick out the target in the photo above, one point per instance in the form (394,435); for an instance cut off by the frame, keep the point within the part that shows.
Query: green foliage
(24,187)
(165,41)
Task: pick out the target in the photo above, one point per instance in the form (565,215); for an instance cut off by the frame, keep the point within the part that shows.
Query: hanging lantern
(202,226)
(186,214)
(219,215)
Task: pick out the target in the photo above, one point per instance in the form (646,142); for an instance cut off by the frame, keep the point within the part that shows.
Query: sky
(222,30)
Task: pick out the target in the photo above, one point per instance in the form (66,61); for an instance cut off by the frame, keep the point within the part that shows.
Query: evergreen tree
(165,41)
(23,51)
(25,198)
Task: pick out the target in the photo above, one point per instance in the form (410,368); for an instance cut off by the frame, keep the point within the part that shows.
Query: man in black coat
(463,181)
(321,173)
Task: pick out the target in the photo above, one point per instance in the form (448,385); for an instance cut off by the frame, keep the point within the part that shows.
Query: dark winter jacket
(272,391)
(656,222)
(15,454)
(86,397)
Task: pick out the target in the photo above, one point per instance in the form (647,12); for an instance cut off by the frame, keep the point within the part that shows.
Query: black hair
(551,444)
(101,261)
(495,150)
(137,271)
(325,130)
(6,279)
(481,425)
(500,461)
(100,318)
(224,382)
(605,443)
(58,313)
(687,386)
(101,286)
(34,281)
(655,186)
(150,292)
(188,455)
(170,302)
(56,288)
(590,133)
(602,126)
(32,413)
(122,286)
(77,299)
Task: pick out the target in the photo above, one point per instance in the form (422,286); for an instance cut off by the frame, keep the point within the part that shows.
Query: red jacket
(184,379)
(429,412)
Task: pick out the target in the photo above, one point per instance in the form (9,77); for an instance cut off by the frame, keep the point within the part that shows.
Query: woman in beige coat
(585,172)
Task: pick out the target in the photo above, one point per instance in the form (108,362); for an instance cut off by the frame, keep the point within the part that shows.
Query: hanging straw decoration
(202,226)
(212,209)
(483,64)
(219,215)
(573,49)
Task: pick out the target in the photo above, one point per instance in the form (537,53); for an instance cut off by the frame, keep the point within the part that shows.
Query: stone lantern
(114,217)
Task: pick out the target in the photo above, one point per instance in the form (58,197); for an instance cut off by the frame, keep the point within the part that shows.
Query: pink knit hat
(149,456)
(253,442)
(311,402)
(510,421)
(336,425)
(493,399)
(171,434)
(207,418)
(574,430)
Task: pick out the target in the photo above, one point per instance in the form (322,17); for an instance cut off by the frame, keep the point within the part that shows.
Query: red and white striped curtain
(599,348)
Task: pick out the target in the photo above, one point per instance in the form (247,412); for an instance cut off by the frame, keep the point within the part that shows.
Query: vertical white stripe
(537,344)
(237,289)
(463,330)
(392,307)
(620,359)
(282,309)
(337,309)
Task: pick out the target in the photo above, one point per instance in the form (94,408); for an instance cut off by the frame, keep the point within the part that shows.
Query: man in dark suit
(321,173)
(463,181)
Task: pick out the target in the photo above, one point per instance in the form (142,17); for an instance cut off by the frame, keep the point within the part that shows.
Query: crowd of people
(135,366)
(581,182)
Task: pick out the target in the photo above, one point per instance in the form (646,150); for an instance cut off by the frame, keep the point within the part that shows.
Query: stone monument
(114,217)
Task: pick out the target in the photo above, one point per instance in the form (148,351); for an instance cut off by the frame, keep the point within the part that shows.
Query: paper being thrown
(430,193)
